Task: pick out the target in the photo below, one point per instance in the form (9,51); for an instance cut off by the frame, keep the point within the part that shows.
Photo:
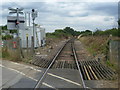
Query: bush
(7,37)
(113,32)
(86,33)
(59,33)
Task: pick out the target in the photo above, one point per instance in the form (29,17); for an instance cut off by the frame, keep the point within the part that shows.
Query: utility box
(39,37)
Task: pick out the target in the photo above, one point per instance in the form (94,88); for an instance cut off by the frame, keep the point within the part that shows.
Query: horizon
(80,16)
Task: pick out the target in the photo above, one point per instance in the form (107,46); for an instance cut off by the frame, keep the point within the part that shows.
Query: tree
(4,27)
(86,33)
(69,31)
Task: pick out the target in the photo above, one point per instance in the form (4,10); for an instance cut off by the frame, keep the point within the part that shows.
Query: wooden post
(27,43)
(32,45)
(21,52)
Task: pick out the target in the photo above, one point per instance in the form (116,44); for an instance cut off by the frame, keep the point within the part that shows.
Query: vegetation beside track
(98,46)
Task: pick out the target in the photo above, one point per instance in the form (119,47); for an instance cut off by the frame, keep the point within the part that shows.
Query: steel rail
(76,60)
(39,83)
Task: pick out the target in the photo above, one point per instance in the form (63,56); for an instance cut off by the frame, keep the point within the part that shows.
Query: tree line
(98,32)
(68,31)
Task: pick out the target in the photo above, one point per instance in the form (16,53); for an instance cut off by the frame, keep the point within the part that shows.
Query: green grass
(5,53)
(52,36)
(109,63)
(90,50)
(112,65)
(95,44)
(12,55)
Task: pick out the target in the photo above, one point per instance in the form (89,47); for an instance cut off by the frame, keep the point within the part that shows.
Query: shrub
(7,37)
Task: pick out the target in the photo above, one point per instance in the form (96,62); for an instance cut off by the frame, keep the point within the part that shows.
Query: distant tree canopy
(113,32)
(71,31)
(4,27)
(66,32)
(86,33)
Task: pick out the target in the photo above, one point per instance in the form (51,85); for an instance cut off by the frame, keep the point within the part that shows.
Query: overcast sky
(78,15)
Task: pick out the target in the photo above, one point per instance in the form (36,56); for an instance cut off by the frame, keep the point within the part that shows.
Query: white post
(25,19)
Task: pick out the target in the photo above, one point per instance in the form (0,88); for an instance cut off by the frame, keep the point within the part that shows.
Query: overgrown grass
(12,55)
(5,53)
(98,45)
(95,45)
(112,66)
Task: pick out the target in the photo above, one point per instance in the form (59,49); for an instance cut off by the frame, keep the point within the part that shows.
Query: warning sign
(12,23)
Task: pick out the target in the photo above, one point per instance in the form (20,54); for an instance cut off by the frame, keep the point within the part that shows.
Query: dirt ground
(50,49)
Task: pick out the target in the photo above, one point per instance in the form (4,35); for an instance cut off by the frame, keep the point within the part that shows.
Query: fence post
(32,45)
(27,44)
(20,48)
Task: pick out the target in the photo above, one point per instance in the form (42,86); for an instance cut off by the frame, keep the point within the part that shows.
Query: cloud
(109,8)
(79,15)
(54,1)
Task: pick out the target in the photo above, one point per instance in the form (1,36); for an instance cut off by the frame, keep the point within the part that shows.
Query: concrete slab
(17,75)
(7,76)
(24,82)
(63,78)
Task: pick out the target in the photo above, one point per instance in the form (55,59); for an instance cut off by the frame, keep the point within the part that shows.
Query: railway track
(67,58)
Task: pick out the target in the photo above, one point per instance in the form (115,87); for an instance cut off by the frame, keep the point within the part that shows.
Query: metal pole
(29,19)
(25,19)
(33,36)
(32,46)
(19,40)
(34,15)
(17,24)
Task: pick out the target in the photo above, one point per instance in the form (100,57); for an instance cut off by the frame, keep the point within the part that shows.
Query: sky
(58,14)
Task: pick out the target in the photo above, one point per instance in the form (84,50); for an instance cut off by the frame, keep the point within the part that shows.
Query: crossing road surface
(64,78)
(15,75)
(18,76)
